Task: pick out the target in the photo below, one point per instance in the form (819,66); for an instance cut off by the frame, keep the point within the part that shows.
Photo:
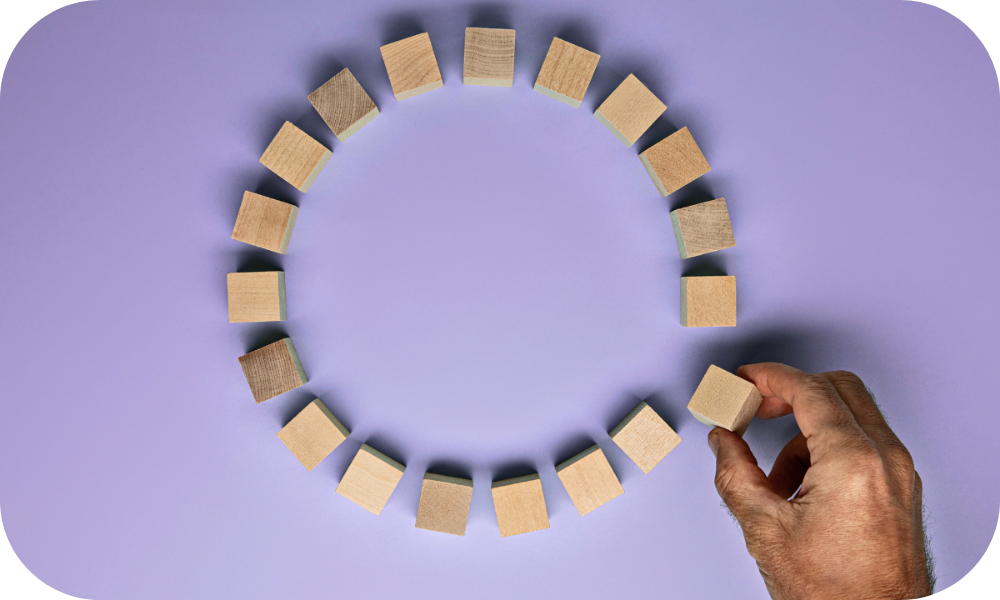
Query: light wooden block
(313,434)
(630,110)
(344,105)
(295,157)
(370,479)
(702,228)
(674,162)
(520,505)
(708,301)
(725,400)
(589,480)
(265,222)
(444,504)
(566,72)
(273,370)
(489,57)
(645,437)
(412,67)
(256,297)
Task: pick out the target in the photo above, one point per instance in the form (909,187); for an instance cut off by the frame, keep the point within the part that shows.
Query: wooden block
(313,434)
(708,301)
(273,370)
(256,297)
(520,505)
(264,222)
(630,110)
(489,57)
(645,437)
(370,479)
(589,480)
(674,162)
(412,67)
(295,157)
(344,105)
(566,72)
(725,400)
(444,504)
(702,228)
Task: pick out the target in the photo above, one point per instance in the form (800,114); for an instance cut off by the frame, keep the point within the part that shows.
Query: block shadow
(696,192)
(706,265)
(262,335)
(491,15)
(448,468)
(570,447)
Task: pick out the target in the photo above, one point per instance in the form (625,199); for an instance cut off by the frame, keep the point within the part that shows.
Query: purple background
(481,280)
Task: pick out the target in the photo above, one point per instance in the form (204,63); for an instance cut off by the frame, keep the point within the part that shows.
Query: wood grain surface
(256,297)
(566,72)
(265,222)
(725,400)
(344,105)
(313,434)
(370,479)
(645,437)
(589,480)
(520,505)
(444,504)
(674,162)
(295,157)
(412,67)
(702,228)
(489,57)
(273,370)
(708,301)
(630,110)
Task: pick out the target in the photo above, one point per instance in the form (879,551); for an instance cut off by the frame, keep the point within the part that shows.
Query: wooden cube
(295,157)
(566,72)
(708,301)
(489,57)
(645,437)
(674,162)
(264,222)
(520,505)
(344,105)
(273,370)
(412,67)
(313,434)
(702,228)
(444,504)
(370,479)
(589,480)
(256,297)
(725,400)
(630,110)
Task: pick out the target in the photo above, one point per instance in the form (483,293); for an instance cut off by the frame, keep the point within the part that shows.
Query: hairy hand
(854,530)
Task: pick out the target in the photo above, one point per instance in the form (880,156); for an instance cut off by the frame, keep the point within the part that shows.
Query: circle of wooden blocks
(265,222)
(645,437)
(444,504)
(344,105)
(708,301)
(566,72)
(589,480)
(370,479)
(412,67)
(674,162)
(520,505)
(630,110)
(295,157)
(256,297)
(725,400)
(702,228)
(273,370)
(313,434)
(489,57)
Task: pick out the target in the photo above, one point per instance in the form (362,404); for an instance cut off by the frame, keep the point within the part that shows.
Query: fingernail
(713,442)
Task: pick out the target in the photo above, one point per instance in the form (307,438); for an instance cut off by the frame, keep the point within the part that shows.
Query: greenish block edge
(295,359)
(627,419)
(684,301)
(281,296)
(515,480)
(653,175)
(420,90)
(292,216)
(577,458)
(392,463)
(315,172)
(678,235)
(604,121)
(556,95)
(446,479)
(329,415)
(488,82)
(358,125)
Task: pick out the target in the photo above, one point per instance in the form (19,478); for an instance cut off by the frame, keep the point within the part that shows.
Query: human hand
(854,530)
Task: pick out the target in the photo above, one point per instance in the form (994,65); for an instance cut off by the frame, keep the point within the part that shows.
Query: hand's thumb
(742,485)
